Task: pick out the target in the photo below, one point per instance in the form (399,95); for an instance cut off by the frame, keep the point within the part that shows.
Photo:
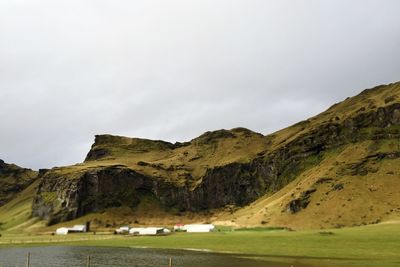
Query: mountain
(13,179)
(349,168)
(339,168)
(208,172)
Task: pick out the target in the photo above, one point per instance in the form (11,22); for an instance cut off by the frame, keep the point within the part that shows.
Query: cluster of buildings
(142,230)
(189,228)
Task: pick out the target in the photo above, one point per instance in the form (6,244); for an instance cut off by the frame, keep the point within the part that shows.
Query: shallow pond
(101,256)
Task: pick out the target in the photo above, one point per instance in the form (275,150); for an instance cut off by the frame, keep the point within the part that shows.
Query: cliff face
(219,168)
(13,179)
(62,197)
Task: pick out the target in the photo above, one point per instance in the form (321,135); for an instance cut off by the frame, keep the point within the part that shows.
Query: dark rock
(390,99)
(95,154)
(323,180)
(43,171)
(302,202)
(195,158)
(338,187)
(361,109)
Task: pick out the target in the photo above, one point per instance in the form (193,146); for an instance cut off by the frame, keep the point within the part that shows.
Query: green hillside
(339,168)
(13,179)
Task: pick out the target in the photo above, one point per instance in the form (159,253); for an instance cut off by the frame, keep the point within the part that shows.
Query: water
(76,256)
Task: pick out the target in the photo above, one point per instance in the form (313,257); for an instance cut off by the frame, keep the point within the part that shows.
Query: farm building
(62,231)
(77,229)
(148,231)
(198,228)
(74,229)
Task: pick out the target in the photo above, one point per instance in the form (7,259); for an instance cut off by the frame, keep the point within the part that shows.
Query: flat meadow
(366,246)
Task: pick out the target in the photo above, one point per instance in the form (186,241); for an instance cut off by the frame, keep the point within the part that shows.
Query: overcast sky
(172,70)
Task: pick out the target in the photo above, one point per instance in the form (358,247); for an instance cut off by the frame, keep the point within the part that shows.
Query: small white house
(62,231)
(75,229)
(148,231)
(78,229)
(198,228)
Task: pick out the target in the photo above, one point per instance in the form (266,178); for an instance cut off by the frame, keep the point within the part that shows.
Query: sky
(171,70)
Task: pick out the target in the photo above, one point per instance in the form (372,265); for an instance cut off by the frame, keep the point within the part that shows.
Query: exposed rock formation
(301,202)
(13,179)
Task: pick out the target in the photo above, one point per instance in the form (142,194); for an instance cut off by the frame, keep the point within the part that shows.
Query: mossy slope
(13,179)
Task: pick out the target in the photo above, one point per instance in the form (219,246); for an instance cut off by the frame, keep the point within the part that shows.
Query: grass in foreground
(376,245)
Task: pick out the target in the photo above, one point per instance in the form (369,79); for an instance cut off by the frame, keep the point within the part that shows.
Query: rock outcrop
(13,179)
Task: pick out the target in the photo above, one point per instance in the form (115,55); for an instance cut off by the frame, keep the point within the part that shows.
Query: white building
(74,229)
(62,231)
(198,228)
(77,229)
(148,231)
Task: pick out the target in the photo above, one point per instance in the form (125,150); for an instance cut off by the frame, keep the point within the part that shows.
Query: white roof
(62,231)
(132,230)
(206,226)
(78,227)
(145,231)
(198,228)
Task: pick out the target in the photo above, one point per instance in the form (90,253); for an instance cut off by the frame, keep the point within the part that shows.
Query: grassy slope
(15,215)
(13,179)
(364,198)
(367,101)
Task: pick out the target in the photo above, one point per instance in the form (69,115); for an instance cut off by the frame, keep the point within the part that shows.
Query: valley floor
(367,246)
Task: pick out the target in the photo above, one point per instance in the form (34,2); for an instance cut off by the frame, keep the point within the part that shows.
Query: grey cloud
(174,69)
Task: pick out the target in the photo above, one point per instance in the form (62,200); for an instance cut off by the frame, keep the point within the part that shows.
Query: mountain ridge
(245,177)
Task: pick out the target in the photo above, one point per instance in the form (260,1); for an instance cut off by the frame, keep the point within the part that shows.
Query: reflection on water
(76,256)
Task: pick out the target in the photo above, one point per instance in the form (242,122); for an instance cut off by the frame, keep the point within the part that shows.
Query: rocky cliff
(225,167)
(13,179)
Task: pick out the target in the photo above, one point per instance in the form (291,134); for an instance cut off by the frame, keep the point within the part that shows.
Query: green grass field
(375,245)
